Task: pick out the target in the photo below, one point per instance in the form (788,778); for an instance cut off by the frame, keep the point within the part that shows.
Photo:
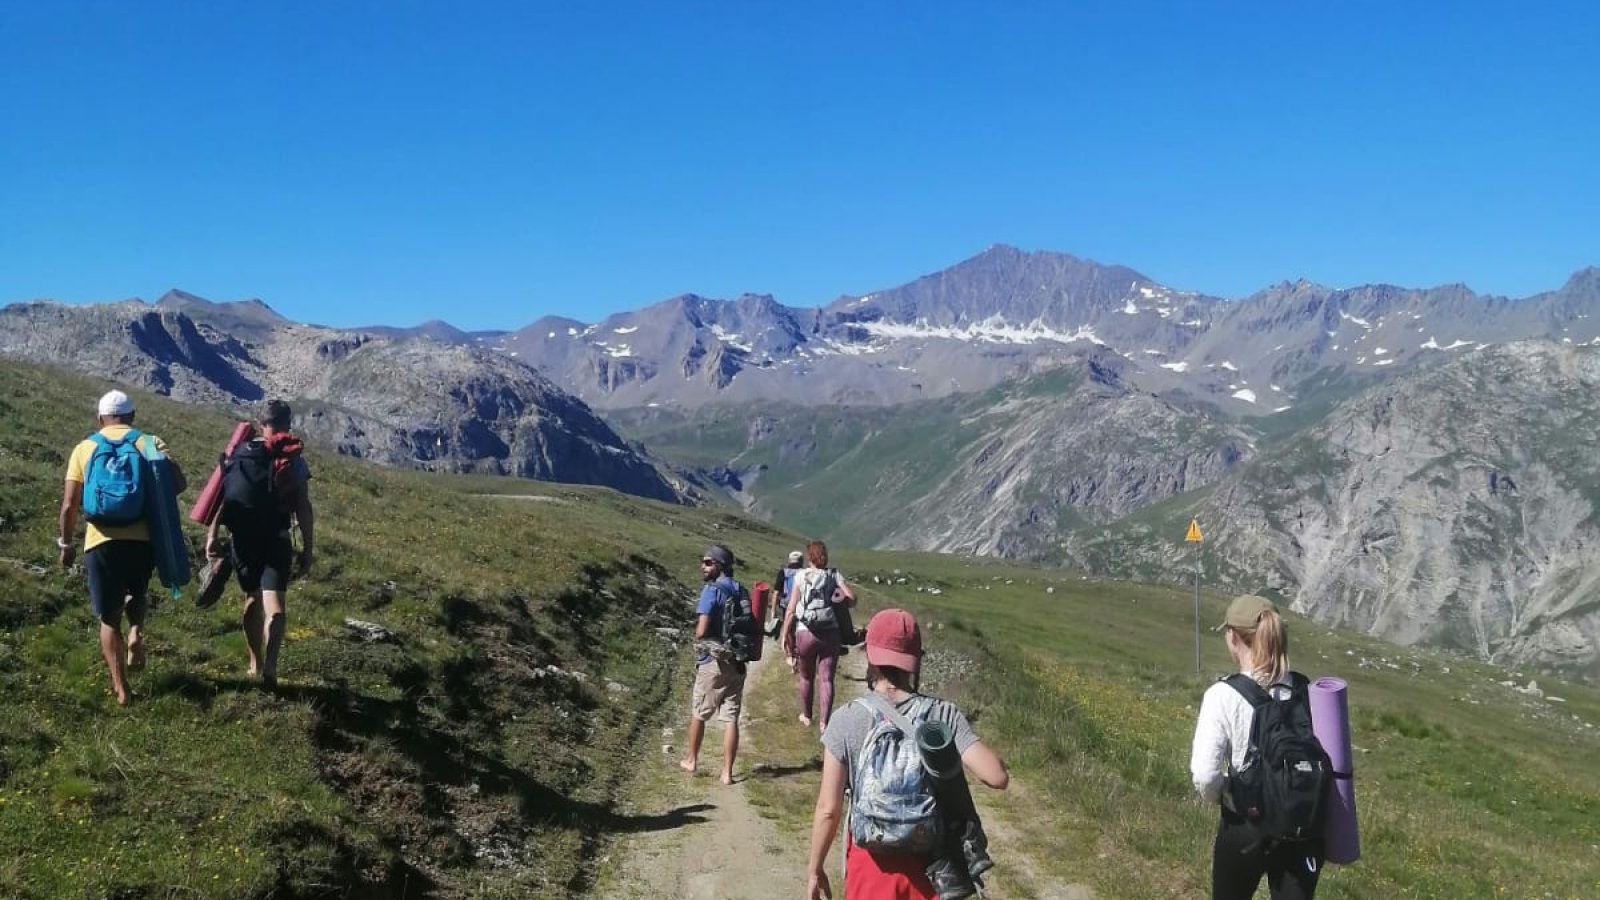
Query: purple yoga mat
(1330,719)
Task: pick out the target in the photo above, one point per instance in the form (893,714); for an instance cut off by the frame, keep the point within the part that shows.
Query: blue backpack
(114,481)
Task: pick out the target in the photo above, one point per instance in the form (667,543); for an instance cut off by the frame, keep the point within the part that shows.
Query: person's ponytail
(1269,649)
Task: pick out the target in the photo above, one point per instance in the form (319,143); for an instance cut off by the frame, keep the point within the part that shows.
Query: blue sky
(488,163)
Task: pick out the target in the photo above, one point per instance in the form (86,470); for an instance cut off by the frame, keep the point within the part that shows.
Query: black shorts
(262,563)
(119,576)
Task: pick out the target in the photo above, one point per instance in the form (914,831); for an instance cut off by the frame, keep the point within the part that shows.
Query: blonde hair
(1269,647)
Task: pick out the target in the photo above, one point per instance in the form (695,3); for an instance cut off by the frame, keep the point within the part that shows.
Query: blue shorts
(119,575)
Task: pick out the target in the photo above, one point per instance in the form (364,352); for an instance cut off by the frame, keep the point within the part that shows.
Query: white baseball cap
(116,403)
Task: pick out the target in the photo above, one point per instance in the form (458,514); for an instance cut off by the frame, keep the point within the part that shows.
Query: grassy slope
(444,766)
(447,763)
(1466,788)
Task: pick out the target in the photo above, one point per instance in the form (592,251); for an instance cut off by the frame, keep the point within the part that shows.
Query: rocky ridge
(408,402)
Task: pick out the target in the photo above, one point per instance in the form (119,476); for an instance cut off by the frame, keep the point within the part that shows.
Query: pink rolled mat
(210,500)
(1330,720)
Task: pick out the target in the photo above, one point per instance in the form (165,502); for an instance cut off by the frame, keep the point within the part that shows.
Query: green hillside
(454,761)
(478,754)
(1466,787)
(843,472)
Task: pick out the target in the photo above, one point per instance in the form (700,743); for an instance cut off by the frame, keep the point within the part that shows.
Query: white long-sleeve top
(1222,734)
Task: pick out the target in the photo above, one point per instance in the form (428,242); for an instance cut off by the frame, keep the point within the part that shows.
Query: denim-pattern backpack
(892,804)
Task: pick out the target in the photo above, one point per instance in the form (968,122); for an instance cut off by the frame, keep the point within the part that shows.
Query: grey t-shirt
(847,729)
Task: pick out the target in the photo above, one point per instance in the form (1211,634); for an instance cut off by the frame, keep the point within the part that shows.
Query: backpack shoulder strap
(1249,689)
(878,704)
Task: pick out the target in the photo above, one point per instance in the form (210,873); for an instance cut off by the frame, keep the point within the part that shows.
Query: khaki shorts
(718,685)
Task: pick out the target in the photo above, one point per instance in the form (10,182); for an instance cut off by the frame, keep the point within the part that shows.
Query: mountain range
(1409,461)
(400,401)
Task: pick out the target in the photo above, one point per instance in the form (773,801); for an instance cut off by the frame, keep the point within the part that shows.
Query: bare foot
(727,778)
(688,766)
(124,697)
(135,655)
(806,721)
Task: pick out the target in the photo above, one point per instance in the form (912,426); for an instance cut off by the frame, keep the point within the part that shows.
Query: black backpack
(249,503)
(741,633)
(1282,788)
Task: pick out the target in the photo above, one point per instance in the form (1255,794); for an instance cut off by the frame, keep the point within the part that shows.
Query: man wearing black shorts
(116,558)
(264,558)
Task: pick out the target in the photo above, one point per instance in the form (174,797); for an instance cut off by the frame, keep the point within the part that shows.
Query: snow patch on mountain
(732,340)
(994,330)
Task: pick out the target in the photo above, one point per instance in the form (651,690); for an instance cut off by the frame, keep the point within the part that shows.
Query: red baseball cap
(894,640)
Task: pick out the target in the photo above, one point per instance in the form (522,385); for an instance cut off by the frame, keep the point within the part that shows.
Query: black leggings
(1292,870)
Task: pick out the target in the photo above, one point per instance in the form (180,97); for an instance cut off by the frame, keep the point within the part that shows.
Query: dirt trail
(729,851)
(733,853)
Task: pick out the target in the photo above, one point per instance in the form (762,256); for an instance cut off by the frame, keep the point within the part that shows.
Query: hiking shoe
(214,577)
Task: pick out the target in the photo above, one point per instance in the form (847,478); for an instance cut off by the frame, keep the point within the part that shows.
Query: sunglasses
(708,562)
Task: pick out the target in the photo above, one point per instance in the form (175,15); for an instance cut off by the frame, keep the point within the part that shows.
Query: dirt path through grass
(727,850)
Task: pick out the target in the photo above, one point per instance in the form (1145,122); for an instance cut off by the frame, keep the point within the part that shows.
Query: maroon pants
(816,660)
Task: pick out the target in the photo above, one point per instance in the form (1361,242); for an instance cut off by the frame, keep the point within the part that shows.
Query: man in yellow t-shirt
(117,558)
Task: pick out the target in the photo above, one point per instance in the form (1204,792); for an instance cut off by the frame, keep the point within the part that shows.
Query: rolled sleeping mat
(759,594)
(210,499)
(1330,720)
(938,747)
(967,846)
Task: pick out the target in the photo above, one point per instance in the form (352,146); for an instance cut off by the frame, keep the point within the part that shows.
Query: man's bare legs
(135,632)
(264,620)
(253,631)
(276,620)
(730,749)
(697,734)
(113,648)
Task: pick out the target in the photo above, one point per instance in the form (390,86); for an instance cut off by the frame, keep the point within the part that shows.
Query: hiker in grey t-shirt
(894,654)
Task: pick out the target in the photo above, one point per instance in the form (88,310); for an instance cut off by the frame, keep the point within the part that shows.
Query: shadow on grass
(675,818)
(764,770)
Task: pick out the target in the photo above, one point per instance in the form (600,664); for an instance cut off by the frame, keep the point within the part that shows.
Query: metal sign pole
(1197,607)
(1194,537)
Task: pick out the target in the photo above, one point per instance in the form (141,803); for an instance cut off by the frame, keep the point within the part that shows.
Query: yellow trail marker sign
(1193,536)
